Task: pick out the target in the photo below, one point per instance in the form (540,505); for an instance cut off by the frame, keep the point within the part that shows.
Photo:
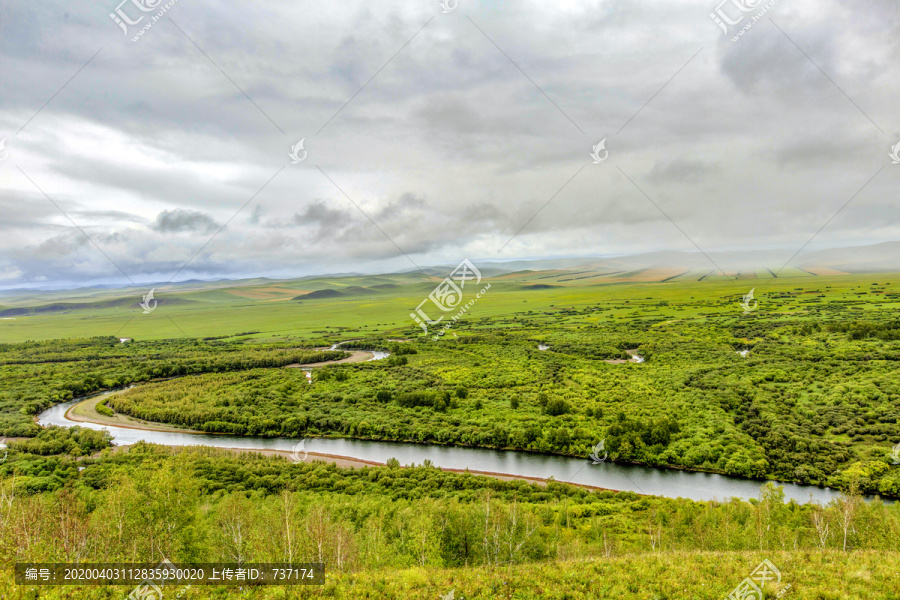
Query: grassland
(815,400)
(380,304)
(813,575)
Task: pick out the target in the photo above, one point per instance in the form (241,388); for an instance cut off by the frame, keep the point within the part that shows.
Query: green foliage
(412,399)
(37,375)
(192,505)
(816,395)
(556,407)
(787,411)
(104,410)
(75,441)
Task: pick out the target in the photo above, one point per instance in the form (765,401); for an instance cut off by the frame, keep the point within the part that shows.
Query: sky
(436,132)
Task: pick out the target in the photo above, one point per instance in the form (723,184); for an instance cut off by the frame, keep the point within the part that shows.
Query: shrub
(557,407)
(412,399)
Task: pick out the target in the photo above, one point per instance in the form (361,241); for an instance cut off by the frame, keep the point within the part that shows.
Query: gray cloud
(449,149)
(178,220)
(681,169)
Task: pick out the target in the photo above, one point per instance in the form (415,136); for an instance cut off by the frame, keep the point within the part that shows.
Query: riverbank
(86,412)
(499,464)
(358,463)
(355,357)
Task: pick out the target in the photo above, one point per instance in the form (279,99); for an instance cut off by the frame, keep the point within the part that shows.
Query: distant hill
(568,271)
(319,294)
(353,290)
(884,257)
(60,307)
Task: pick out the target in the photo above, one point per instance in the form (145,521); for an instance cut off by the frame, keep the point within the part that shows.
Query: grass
(575,300)
(817,575)
(229,311)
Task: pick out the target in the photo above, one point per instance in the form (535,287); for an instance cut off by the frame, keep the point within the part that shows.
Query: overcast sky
(470,122)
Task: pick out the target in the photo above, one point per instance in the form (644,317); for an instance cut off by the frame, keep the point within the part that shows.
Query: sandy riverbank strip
(358,463)
(355,357)
(87,413)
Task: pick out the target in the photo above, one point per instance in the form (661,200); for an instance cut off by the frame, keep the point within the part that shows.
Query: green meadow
(382,304)
(813,400)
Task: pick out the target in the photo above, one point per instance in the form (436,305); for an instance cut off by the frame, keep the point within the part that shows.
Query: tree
(820,520)
(847,506)
(317,526)
(234,519)
(290,536)
(771,501)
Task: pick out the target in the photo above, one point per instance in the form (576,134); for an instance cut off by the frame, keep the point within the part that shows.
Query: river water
(671,483)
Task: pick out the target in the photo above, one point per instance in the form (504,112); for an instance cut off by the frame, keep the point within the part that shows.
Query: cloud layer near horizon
(450,149)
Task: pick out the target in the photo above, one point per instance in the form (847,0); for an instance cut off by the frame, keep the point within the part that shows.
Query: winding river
(671,483)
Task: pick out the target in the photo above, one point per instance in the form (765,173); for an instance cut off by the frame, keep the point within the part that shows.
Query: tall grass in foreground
(806,575)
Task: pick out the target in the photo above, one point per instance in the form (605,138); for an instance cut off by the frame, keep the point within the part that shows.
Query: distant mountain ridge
(875,258)
(882,257)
